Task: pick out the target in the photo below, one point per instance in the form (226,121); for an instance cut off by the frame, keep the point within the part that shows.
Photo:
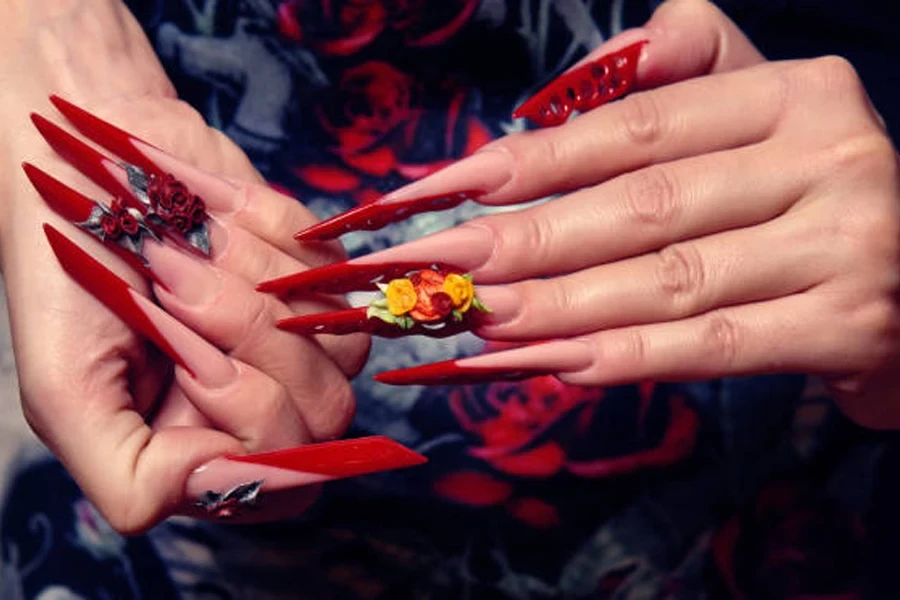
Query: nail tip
(342,458)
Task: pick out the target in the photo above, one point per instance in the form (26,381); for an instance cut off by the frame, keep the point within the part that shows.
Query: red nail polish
(450,372)
(586,87)
(377,215)
(85,159)
(108,288)
(347,276)
(339,459)
(116,140)
(80,209)
(355,320)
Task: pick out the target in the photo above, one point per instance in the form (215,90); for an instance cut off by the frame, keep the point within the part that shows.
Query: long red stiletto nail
(377,215)
(118,141)
(229,487)
(452,373)
(534,360)
(199,358)
(473,177)
(109,289)
(165,202)
(119,228)
(586,87)
(97,167)
(347,276)
(356,320)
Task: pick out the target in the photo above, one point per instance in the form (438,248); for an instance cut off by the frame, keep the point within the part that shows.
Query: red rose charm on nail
(174,204)
(118,224)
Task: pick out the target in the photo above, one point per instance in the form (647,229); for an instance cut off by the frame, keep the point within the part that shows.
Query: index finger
(685,39)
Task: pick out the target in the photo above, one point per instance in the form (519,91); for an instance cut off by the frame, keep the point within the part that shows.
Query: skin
(103,400)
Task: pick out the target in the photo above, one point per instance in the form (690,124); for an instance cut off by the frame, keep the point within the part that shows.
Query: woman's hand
(736,217)
(102,398)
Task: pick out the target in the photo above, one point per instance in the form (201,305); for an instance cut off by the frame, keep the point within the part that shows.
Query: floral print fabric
(746,488)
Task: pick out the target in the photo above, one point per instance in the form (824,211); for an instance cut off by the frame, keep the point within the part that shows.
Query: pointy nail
(94,165)
(347,276)
(452,373)
(145,187)
(118,141)
(532,360)
(252,487)
(88,215)
(378,215)
(199,358)
(357,320)
(583,88)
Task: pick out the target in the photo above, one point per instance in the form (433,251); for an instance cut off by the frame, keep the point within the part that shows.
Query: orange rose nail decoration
(425,296)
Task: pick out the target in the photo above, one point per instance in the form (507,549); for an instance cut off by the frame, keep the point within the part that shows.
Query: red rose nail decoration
(171,205)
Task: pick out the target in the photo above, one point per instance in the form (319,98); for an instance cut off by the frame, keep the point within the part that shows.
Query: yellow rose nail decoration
(401,296)
(461,291)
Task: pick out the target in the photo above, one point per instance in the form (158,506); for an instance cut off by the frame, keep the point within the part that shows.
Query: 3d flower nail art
(422,301)
(165,202)
(425,296)
(171,205)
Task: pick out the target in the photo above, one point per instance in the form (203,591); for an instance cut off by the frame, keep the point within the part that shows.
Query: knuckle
(534,232)
(333,416)
(553,296)
(681,275)
(868,153)
(833,73)
(270,411)
(546,147)
(256,324)
(641,119)
(721,339)
(651,197)
(884,324)
(634,347)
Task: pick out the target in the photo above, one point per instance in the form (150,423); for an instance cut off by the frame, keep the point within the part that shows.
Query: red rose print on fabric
(372,118)
(531,431)
(787,545)
(344,27)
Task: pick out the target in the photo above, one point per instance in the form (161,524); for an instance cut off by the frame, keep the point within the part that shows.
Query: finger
(630,215)
(774,336)
(692,38)
(233,248)
(225,310)
(681,280)
(653,127)
(250,258)
(635,213)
